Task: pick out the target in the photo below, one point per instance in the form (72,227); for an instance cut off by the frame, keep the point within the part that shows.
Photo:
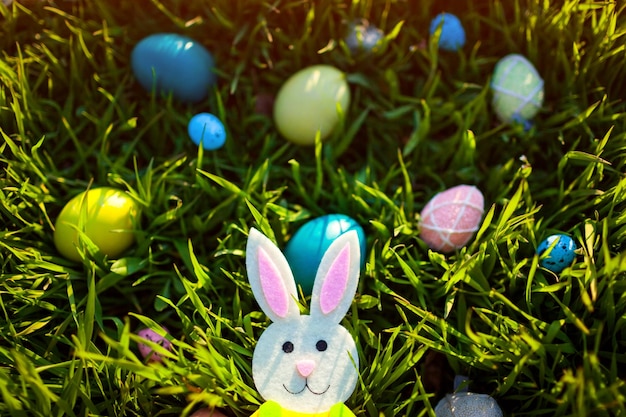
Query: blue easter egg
(561,255)
(208,130)
(305,249)
(171,63)
(452,36)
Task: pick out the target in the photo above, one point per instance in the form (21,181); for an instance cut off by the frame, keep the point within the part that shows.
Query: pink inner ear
(336,281)
(272,285)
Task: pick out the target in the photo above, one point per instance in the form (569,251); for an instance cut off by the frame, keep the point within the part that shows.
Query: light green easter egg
(517,89)
(311,100)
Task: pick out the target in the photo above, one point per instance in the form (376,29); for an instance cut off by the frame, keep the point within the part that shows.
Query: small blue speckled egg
(452,36)
(562,252)
(306,247)
(208,130)
(176,64)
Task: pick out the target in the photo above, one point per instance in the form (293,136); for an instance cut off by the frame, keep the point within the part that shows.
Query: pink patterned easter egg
(451,217)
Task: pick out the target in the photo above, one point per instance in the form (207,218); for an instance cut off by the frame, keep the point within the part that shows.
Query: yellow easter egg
(106,215)
(308,102)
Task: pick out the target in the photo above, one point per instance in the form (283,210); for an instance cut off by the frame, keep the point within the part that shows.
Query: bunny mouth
(305,387)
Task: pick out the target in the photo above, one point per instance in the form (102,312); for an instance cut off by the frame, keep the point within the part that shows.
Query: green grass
(72,116)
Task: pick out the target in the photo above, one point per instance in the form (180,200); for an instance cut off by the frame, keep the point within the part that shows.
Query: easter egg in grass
(107,216)
(169,63)
(207,130)
(467,404)
(264,104)
(449,219)
(146,351)
(452,34)
(312,100)
(306,247)
(207,412)
(363,36)
(556,252)
(517,89)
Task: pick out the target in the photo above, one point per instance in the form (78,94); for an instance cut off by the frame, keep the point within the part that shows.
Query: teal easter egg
(306,247)
(517,89)
(168,63)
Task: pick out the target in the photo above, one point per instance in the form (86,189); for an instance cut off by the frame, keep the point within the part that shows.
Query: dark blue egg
(305,249)
(168,63)
(561,252)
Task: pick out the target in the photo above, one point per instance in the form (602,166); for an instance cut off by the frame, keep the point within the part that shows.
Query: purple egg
(146,351)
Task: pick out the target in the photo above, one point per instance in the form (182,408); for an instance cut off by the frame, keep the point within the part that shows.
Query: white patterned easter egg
(517,89)
(363,36)
(467,404)
(451,217)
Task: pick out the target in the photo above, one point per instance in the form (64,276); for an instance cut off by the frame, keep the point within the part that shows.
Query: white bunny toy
(304,365)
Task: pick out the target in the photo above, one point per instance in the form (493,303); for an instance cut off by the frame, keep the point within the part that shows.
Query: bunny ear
(337,278)
(270,278)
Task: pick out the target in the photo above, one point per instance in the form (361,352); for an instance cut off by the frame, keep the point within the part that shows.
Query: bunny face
(304,363)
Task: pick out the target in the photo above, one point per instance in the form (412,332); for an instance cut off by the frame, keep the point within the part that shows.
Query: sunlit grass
(72,116)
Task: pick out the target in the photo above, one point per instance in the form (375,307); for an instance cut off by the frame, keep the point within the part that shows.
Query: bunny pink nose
(305,367)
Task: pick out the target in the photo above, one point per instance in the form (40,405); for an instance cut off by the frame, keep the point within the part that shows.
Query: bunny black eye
(321,345)
(287,347)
